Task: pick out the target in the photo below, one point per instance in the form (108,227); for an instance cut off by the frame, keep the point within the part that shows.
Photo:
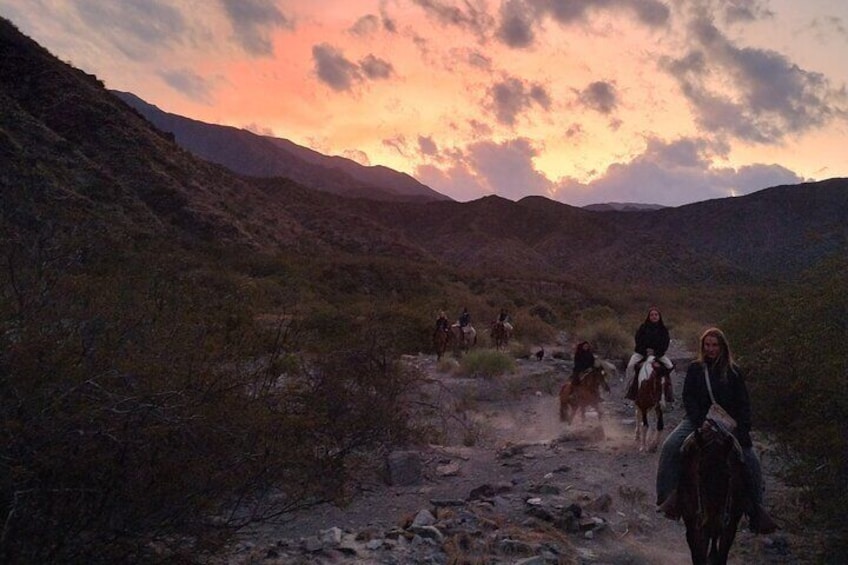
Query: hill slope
(76,156)
(263,156)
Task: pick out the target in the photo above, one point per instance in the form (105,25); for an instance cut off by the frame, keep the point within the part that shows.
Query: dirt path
(526,455)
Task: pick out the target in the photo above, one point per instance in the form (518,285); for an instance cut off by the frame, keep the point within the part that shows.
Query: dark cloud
(137,28)
(672,174)
(366,25)
(427,146)
(744,11)
(769,97)
(399,144)
(472,16)
(511,96)
(652,13)
(339,73)
(519,18)
(516,27)
(376,68)
(600,96)
(253,22)
(333,69)
(189,83)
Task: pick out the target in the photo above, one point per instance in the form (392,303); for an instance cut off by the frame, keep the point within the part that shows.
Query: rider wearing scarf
(729,390)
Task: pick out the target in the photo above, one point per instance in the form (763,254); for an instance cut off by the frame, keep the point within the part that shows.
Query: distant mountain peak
(623,207)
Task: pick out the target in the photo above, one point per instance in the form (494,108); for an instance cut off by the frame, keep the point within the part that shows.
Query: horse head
(711,492)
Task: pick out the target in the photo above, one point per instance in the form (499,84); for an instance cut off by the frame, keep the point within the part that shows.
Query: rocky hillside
(264,156)
(77,156)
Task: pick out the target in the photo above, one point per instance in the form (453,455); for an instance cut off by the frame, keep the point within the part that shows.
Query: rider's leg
(667,362)
(630,376)
(668,469)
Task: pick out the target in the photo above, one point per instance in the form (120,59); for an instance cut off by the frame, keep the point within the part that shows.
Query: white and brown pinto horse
(463,338)
(652,392)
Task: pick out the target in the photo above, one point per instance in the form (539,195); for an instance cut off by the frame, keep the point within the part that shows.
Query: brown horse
(574,398)
(441,342)
(653,390)
(499,334)
(711,493)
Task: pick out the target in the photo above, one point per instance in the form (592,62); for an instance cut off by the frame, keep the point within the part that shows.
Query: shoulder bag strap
(709,386)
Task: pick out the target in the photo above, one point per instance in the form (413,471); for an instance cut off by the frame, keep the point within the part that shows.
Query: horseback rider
(465,323)
(652,340)
(715,362)
(442,323)
(503,318)
(584,359)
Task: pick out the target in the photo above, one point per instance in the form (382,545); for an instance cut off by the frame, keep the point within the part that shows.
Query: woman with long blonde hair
(727,384)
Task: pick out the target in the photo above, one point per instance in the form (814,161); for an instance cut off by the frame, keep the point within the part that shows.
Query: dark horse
(499,334)
(441,342)
(575,398)
(653,391)
(712,494)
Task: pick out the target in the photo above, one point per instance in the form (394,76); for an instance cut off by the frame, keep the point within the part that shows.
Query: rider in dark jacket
(442,322)
(652,339)
(584,359)
(728,386)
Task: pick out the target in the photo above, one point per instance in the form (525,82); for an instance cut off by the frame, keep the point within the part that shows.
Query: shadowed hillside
(263,156)
(115,169)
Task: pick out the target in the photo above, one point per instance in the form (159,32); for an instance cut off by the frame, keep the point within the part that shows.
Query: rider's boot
(631,389)
(759,521)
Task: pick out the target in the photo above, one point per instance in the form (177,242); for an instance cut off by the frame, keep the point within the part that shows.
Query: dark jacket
(731,394)
(583,360)
(442,324)
(464,319)
(652,336)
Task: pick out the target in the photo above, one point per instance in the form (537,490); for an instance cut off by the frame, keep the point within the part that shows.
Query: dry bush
(607,336)
(486,363)
(791,343)
(143,409)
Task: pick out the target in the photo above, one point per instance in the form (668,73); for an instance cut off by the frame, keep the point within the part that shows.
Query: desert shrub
(140,403)
(486,363)
(791,343)
(544,313)
(532,329)
(608,337)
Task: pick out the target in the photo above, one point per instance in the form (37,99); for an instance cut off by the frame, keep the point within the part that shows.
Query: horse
(653,390)
(711,493)
(500,334)
(463,340)
(441,341)
(574,398)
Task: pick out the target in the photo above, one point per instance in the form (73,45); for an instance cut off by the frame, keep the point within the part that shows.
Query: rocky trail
(513,484)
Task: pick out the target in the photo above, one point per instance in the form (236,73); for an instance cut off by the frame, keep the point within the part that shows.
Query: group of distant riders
(464,323)
(713,377)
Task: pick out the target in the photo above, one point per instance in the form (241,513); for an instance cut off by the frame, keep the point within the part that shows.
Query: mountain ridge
(67,139)
(251,154)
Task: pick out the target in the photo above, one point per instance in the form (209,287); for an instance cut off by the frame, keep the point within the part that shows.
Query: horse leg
(638,425)
(659,430)
(698,544)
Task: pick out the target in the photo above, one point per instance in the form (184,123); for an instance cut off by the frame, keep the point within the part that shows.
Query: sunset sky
(582,101)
